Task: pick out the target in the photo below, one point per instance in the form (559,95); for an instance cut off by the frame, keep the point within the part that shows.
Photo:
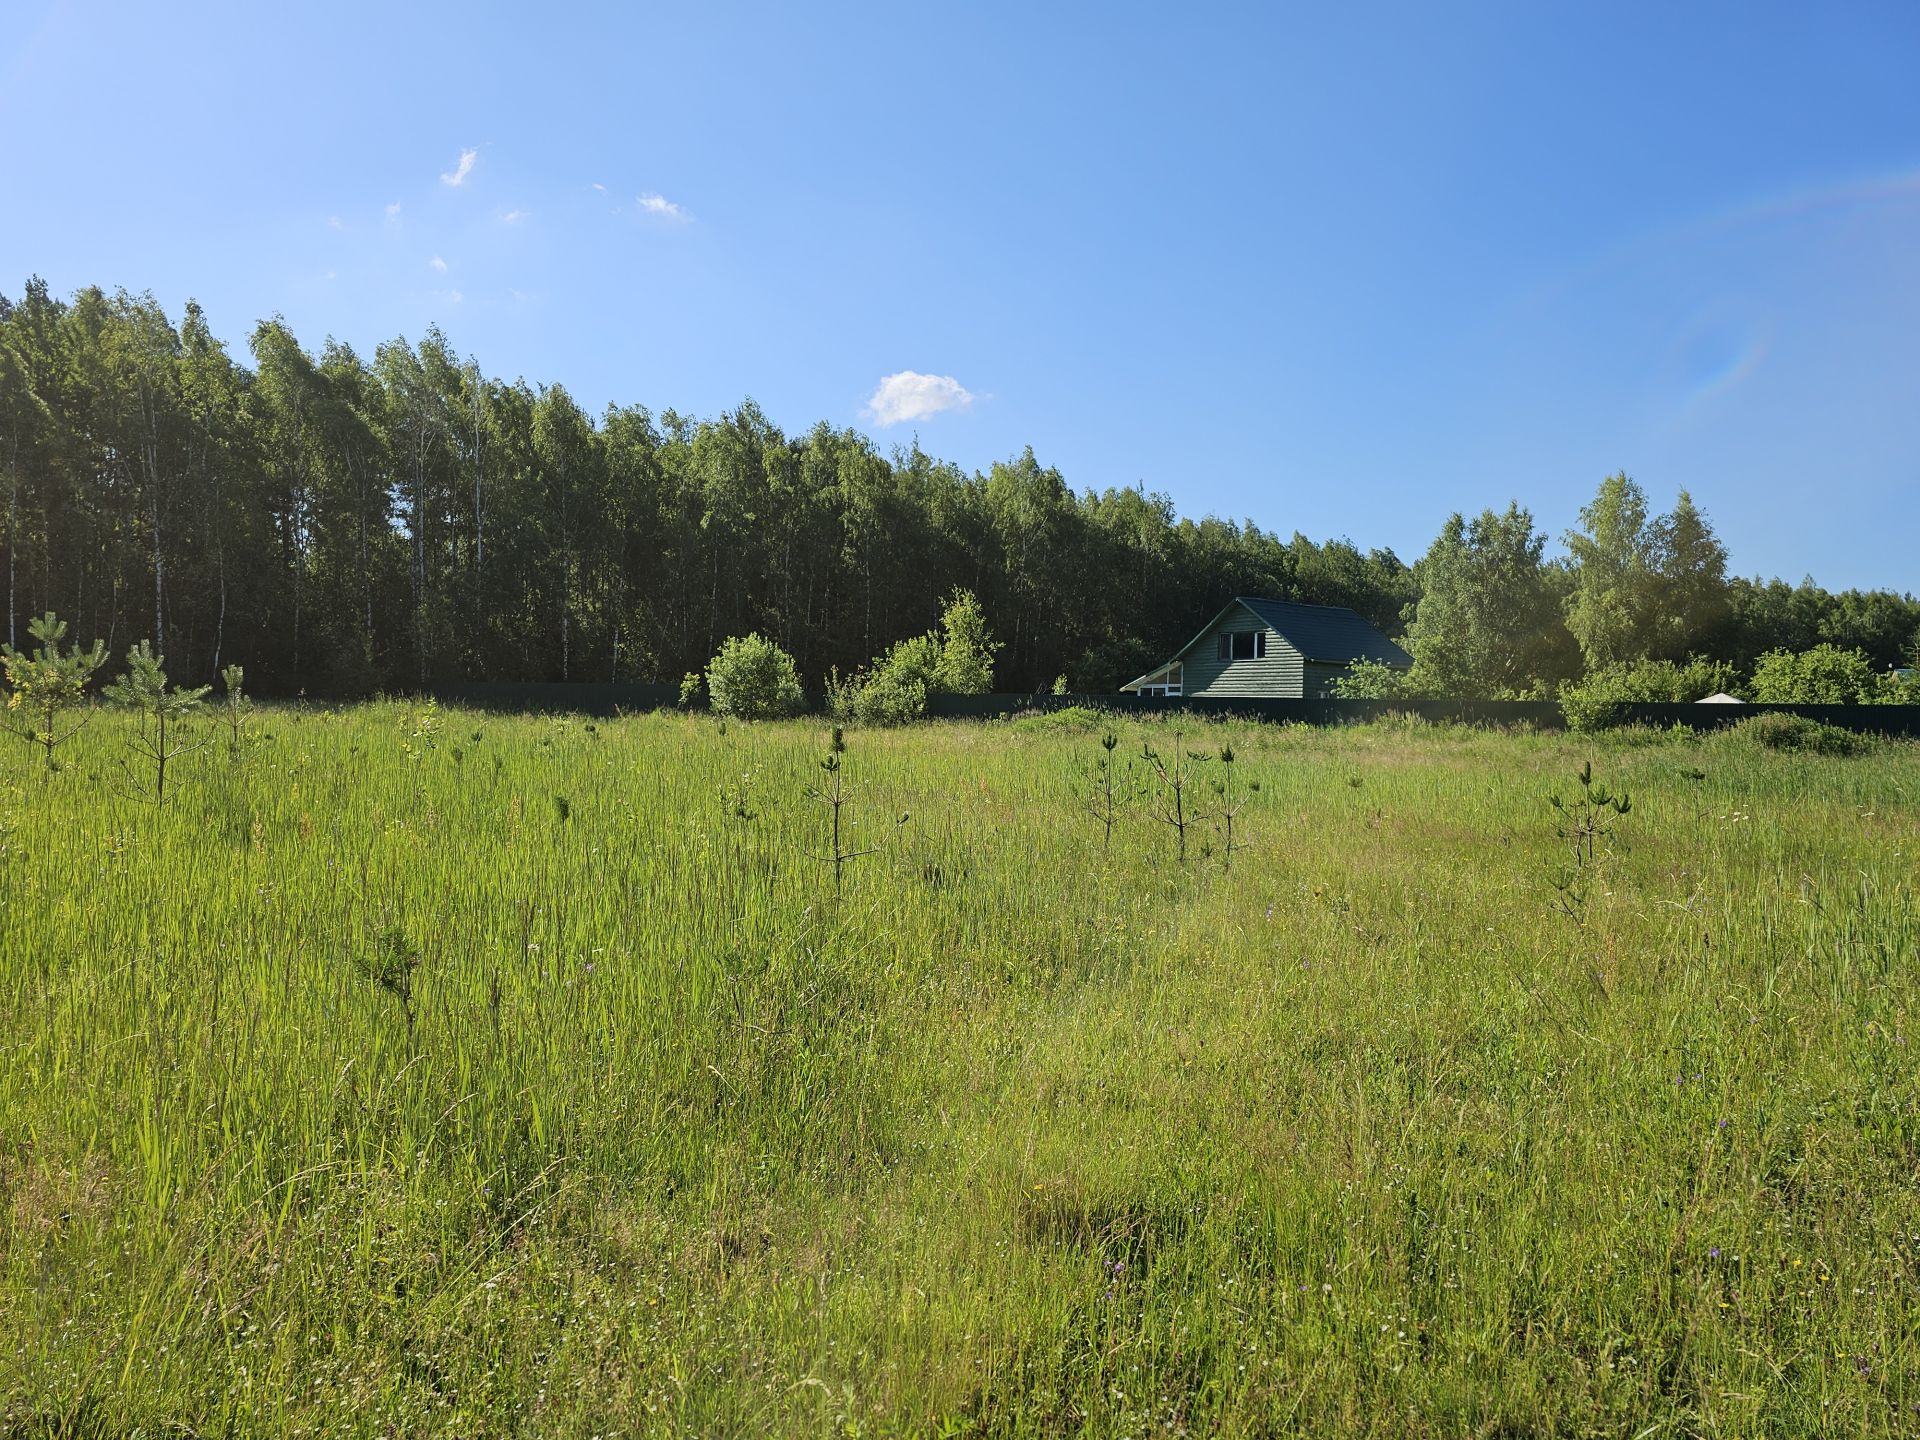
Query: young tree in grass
(238,708)
(44,686)
(967,647)
(160,711)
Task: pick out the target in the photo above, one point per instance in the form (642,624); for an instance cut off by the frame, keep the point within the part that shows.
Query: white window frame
(1171,682)
(1226,643)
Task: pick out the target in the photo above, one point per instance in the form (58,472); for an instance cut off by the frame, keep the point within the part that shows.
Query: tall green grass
(1012,1138)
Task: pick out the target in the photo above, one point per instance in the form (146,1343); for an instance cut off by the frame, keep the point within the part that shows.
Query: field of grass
(648,1132)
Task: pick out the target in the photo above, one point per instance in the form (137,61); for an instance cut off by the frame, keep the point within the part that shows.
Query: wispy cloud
(452,297)
(458,175)
(514,216)
(334,222)
(663,207)
(393,211)
(909,395)
(437,263)
(598,186)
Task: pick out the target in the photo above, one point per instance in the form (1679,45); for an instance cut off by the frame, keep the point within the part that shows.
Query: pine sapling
(1232,801)
(391,965)
(238,707)
(1587,820)
(832,792)
(1170,803)
(47,684)
(1108,792)
(161,712)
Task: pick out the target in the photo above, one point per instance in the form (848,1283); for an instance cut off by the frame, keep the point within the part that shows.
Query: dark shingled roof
(1332,634)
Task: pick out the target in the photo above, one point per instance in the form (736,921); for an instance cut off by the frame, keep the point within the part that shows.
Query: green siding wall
(1320,677)
(1280,675)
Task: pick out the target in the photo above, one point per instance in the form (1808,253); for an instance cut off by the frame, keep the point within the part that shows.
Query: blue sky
(1340,269)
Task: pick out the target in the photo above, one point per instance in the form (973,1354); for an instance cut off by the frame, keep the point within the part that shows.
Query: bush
(955,659)
(1824,675)
(1599,701)
(754,679)
(1068,719)
(896,689)
(1799,734)
(1371,680)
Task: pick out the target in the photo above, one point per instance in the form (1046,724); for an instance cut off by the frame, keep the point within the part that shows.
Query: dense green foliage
(346,525)
(48,682)
(955,659)
(1494,618)
(751,678)
(1823,675)
(419,1073)
(1797,732)
(1595,700)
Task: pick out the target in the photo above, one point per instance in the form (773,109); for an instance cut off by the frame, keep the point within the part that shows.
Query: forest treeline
(344,524)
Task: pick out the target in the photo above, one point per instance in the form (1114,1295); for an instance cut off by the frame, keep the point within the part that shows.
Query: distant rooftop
(1333,634)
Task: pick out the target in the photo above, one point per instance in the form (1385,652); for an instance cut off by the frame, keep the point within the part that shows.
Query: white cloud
(910,395)
(458,175)
(437,263)
(661,206)
(335,223)
(393,211)
(512,215)
(598,186)
(452,297)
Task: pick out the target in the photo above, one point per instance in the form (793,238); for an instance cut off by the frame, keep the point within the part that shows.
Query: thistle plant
(161,711)
(1170,805)
(44,686)
(832,792)
(1586,825)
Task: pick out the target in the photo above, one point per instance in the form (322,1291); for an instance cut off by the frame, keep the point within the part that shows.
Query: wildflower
(1713,1253)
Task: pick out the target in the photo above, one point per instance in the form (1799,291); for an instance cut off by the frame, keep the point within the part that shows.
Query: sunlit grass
(1012,1137)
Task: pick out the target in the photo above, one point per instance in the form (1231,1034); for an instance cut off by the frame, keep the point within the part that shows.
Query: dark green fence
(1540,714)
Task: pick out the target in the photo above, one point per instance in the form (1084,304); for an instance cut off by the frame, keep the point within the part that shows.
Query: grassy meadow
(420,1072)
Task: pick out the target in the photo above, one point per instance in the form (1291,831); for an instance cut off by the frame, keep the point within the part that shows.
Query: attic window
(1243,645)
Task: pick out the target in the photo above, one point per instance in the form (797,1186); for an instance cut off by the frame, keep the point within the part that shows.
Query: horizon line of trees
(348,525)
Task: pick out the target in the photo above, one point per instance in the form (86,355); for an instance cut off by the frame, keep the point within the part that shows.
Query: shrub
(754,679)
(1895,688)
(1370,680)
(896,689)
(1599,701)
(1797,733)
(1068,719)
(955,659)
(1824,675)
